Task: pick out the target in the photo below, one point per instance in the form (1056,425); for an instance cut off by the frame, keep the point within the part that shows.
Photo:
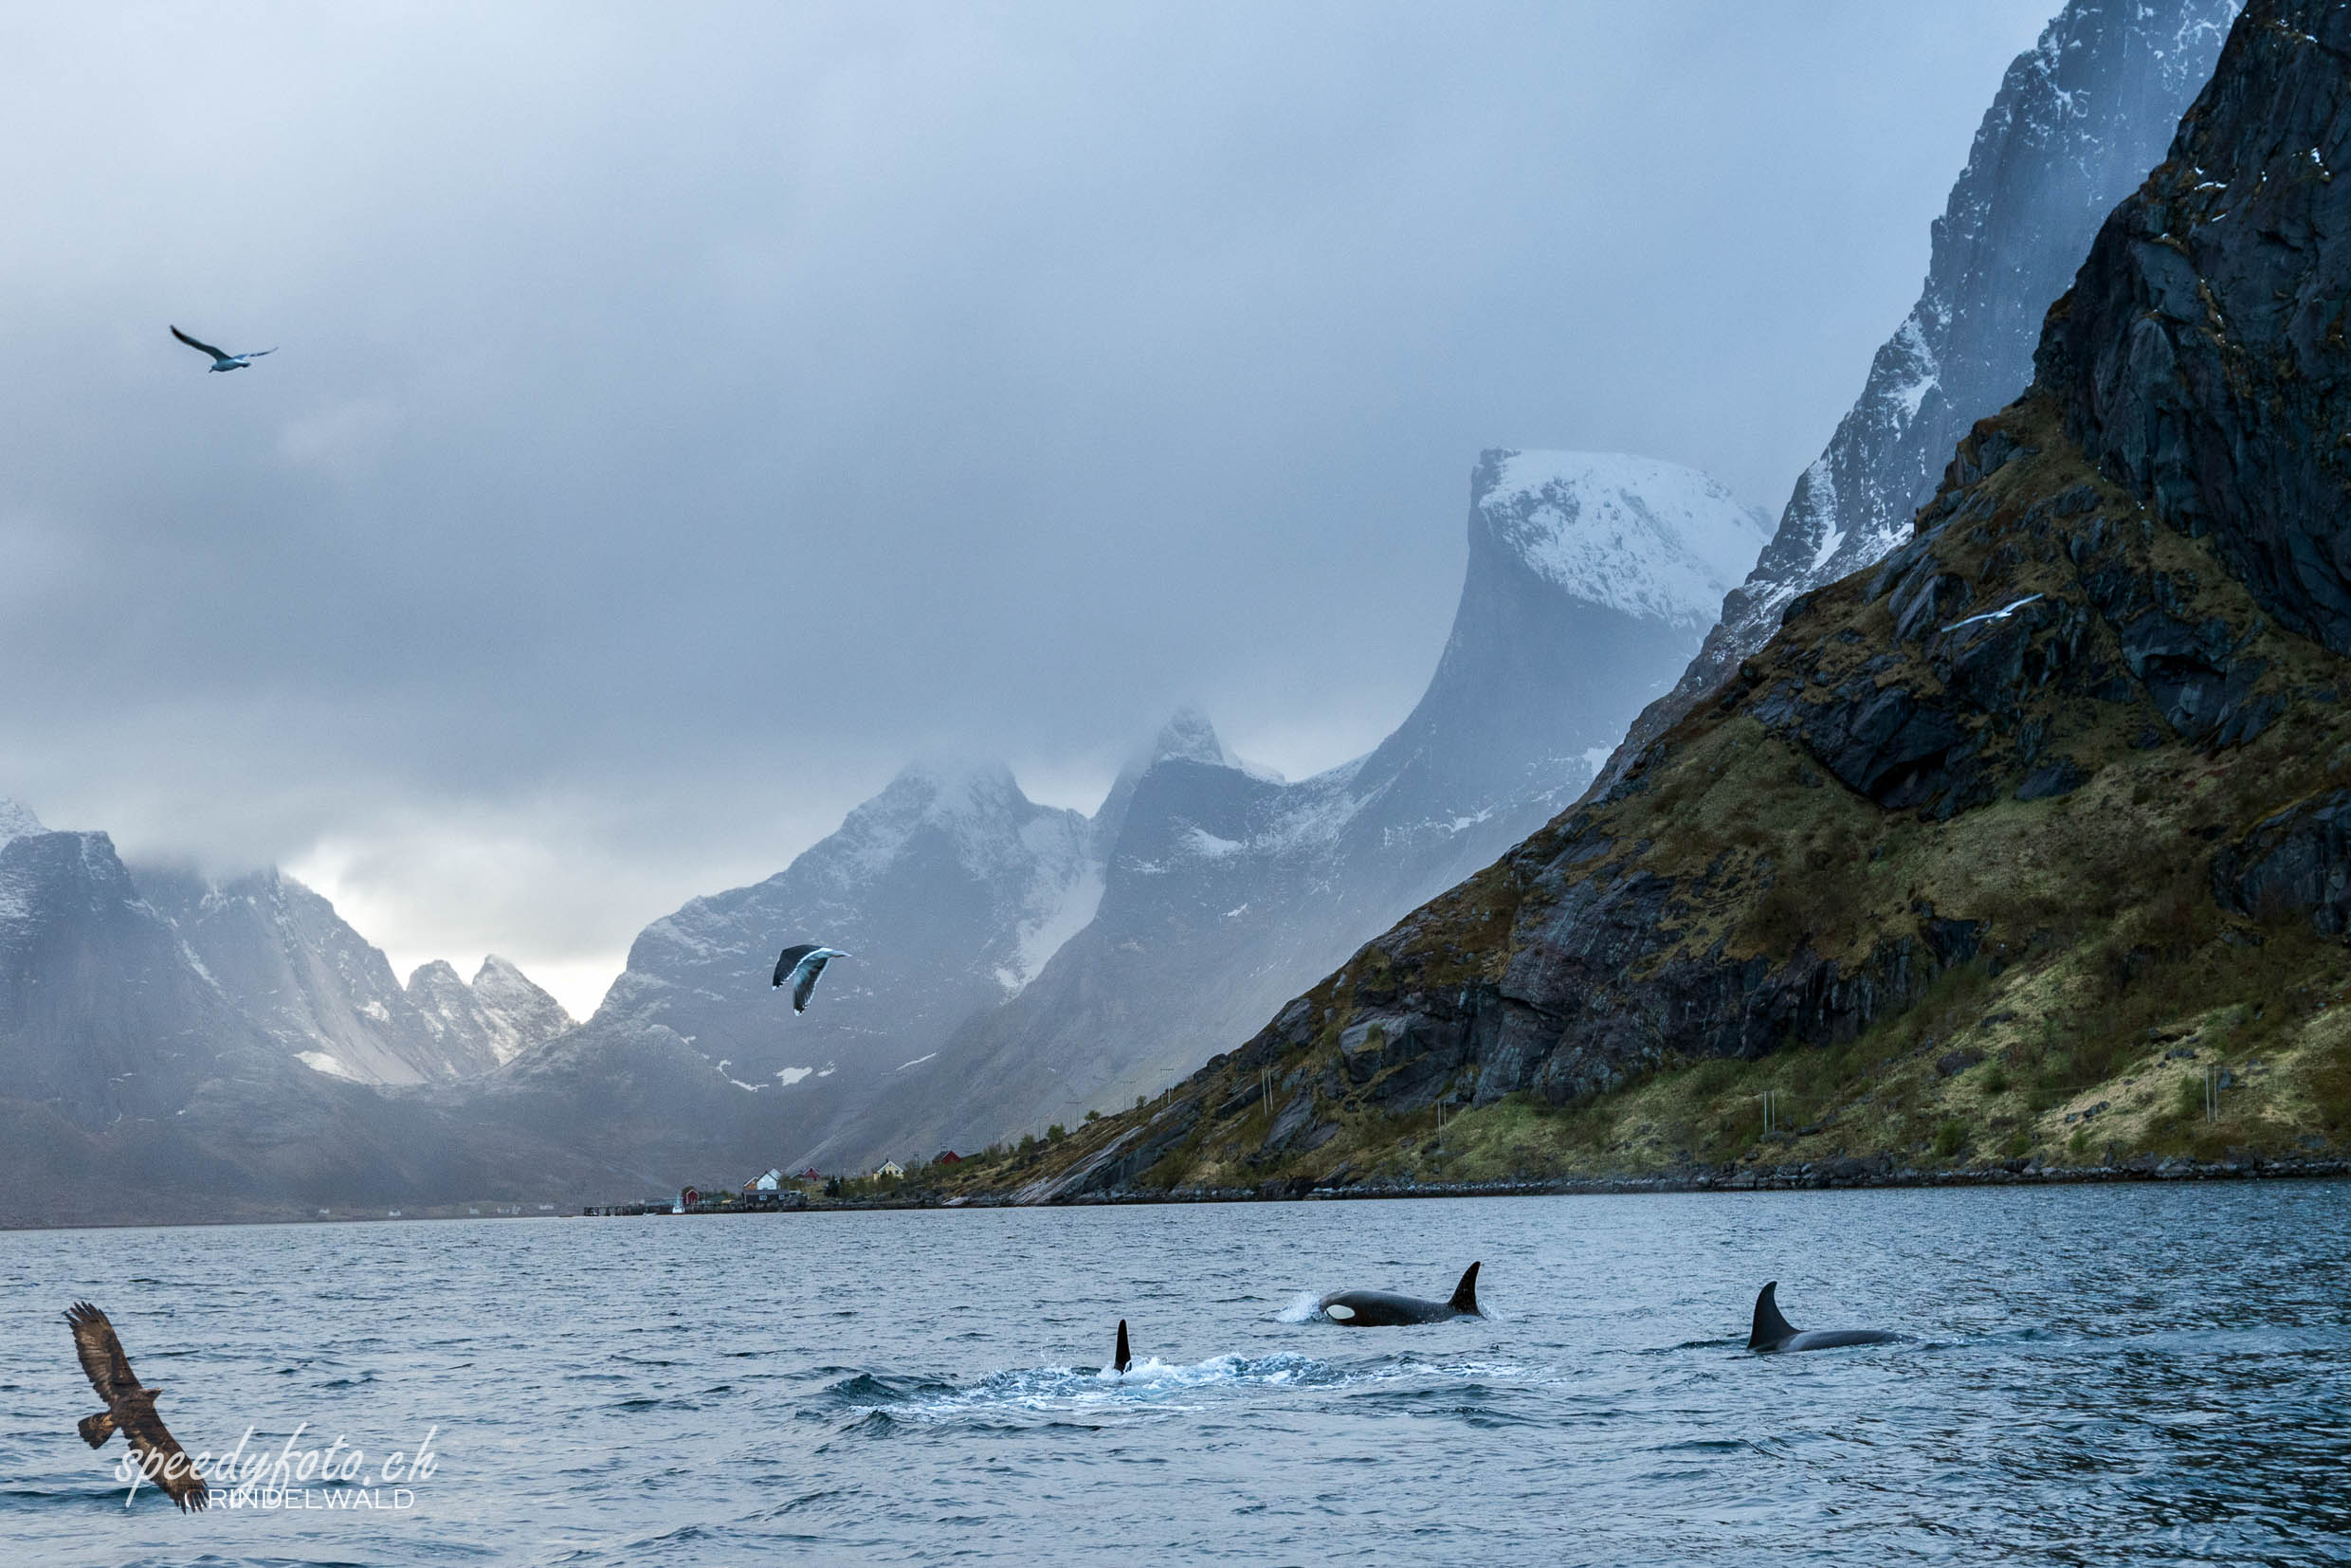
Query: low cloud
(681,418)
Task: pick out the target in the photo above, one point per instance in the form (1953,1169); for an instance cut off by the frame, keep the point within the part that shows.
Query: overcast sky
(686,415)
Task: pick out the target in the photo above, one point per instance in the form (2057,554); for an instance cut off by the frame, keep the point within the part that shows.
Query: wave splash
(1147,1387)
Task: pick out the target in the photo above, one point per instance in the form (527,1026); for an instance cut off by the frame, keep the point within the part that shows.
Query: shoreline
(1836,1175)
(1845,1175)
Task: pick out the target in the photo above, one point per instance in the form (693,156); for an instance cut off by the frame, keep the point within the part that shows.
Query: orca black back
(1386,1309)
(1121,1363)
(1772,1333)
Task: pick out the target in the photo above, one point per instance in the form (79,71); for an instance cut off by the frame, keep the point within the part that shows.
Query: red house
(947,1157)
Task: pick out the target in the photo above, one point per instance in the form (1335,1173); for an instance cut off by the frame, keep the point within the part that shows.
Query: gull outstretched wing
(198,343)
(804,978)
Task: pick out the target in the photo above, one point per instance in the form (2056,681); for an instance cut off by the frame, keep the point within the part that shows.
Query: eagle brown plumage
(129,1409)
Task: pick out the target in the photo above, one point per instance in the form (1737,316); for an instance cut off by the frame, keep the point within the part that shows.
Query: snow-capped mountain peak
(17,822)
(977,807)
(502,1014)
(1632,534)
(1188,736)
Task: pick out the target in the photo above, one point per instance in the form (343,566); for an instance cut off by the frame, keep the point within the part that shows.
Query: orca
(1383,1309)
(1121,1364)
(1772,1333)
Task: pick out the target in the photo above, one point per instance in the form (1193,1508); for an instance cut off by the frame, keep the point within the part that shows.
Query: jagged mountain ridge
(2065,772)
(493,1018)
(2078,120)
(280,955)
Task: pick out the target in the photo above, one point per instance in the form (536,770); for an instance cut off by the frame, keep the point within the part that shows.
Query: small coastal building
(947,1157)
(811,1173)
(767,1183)
(892,1169)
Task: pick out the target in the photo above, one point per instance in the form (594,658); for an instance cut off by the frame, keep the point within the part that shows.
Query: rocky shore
(1809,1176)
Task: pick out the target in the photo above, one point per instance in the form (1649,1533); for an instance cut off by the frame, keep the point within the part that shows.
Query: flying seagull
(2000,614)
(222,360)
(801,965)
(129,1410)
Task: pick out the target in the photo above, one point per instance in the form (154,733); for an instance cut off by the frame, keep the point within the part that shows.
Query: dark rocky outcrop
(2201,356)
(2298,863)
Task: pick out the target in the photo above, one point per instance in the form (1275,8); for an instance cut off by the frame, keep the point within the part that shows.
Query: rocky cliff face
(2200,357)
(103,1014)
(2077,122)
(282,956)
(496,1017)
(1587,573)
(2062,774)
(1590,577)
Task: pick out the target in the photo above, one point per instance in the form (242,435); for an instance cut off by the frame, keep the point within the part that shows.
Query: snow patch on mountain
(1626,533)
(1064,916)
(517,1014)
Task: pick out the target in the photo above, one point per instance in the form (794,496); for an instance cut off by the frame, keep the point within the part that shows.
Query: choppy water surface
(2136,1376)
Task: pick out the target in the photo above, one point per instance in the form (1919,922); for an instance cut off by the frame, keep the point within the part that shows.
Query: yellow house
(892,1169)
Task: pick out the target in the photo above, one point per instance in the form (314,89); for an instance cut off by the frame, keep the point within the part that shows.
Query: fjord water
(2142,1375)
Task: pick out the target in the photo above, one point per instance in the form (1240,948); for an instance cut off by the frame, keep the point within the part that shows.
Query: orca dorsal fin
(1121,1364)
(1770,1327)
(1465,1293)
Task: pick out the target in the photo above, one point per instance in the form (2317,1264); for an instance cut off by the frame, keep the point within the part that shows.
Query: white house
(892,1169)
(767,1183)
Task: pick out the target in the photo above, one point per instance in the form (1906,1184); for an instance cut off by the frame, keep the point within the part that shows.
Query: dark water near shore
(2139,1376)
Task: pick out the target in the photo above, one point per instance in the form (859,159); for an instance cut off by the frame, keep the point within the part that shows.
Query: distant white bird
(2000,614)
(221,360)
(801,965)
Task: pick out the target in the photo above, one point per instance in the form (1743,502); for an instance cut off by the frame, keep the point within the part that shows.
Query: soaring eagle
(129,1409)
